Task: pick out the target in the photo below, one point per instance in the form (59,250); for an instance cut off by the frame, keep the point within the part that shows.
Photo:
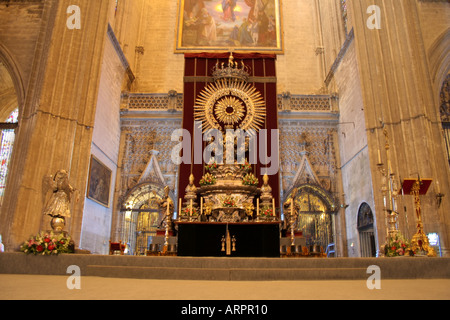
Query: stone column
(398,95)
(59,109)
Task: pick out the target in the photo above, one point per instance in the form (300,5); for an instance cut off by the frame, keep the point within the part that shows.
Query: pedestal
(419,241)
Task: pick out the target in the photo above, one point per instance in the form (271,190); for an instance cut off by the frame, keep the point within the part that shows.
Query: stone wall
(354,150)
(147,31)
(96,225)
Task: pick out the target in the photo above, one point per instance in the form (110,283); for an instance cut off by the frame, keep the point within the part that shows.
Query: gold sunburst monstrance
(230,101)
(229,110)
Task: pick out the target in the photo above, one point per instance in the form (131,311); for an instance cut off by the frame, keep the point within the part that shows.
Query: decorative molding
(173,101)
(120,54)
(153,101)
(288,102)
(211,79)
(337,62)
(152,172)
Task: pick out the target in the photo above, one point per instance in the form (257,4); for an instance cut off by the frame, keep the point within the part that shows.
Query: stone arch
(8,62)
(316,218)
(439,61)
(366,231)
(444,110)
(141,216)
(323,194)
(439,67)
(11,98)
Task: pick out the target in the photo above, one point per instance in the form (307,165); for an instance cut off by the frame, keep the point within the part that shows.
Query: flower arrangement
(187,211)
(47,244)
(211,166)
(266,211)
(397,246)
(207,180)
(250,180)
(245,166)
(229,202)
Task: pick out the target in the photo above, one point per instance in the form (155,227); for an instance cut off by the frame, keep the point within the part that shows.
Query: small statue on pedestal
(166,209)
(58,205)
(190,204)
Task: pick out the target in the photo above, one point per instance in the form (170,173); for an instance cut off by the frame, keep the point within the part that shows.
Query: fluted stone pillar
(398,95)
(59,109)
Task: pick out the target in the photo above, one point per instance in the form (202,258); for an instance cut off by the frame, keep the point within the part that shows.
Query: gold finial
(231,60)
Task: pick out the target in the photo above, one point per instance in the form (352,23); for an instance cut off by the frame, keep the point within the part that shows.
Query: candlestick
(190,213)
(273,206)
(179,207)
(257,207)
(201,205)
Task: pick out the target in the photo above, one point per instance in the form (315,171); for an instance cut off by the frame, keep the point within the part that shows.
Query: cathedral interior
(354,97)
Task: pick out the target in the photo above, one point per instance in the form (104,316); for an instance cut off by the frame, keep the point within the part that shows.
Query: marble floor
(41,287)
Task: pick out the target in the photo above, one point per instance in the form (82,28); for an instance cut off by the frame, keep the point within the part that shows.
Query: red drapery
(198,73)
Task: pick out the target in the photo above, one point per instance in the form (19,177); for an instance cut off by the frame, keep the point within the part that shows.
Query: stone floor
(42,287)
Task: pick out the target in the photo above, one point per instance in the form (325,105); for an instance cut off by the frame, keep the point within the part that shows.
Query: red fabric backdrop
(198,73)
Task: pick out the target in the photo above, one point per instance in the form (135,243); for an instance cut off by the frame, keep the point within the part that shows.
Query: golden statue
(249,207)
(58,205)
(208,208)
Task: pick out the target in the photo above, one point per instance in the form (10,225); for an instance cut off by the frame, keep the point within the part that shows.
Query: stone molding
(173,101)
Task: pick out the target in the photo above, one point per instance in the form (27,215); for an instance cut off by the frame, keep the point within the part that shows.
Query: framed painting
(229,25)
(99,183)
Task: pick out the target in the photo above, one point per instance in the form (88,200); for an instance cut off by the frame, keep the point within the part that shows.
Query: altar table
(253,239)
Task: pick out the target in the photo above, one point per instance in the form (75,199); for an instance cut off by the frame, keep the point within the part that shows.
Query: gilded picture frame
(229,25)
(99,182)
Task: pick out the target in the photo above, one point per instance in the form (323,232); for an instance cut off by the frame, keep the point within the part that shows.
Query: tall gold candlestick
(179,207)
(201,205)
(257,207)
(273,206)
(190,213)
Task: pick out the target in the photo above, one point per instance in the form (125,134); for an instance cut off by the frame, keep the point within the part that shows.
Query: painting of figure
(223,25)
(228,7)
(99,182)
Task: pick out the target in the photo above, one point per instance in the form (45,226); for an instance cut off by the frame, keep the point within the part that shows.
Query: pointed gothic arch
(365,225)
(10,64)
(10,102)
(140,209)
(316,218)
(444,108)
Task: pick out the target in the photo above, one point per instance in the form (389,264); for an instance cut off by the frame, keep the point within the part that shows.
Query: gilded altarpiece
(308,128)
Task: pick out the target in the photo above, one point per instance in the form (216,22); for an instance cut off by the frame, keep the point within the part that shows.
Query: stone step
(223,274)
(207,268)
